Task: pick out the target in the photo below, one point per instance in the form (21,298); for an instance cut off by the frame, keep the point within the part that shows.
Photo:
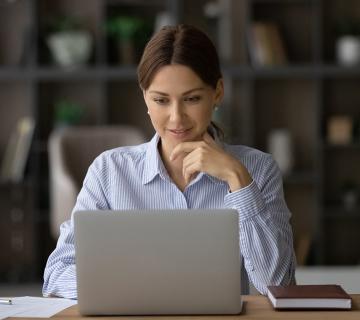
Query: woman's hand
(206,156)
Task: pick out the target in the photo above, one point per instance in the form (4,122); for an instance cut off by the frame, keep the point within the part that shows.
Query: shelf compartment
(288,104)
(129,51)
(295,20)
(236,114)
(14,106)
(340,170)
(89,17)
(341,98)
(335,11)
(342,95)
(88,95)
(15,42)
(126,105)
(17,233)
(301,200)
(342,238)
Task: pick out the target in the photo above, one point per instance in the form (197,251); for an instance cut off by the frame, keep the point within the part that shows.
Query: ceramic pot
(71,48)
(280,145)
(348,50)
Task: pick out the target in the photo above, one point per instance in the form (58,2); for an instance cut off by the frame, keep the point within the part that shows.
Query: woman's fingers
(185,147)
(191,170)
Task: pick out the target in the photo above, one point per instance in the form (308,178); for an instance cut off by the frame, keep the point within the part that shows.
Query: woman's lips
(179,133)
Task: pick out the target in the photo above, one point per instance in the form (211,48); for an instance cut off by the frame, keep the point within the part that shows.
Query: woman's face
(180,104)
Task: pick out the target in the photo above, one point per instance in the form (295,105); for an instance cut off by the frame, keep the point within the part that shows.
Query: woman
(186,166)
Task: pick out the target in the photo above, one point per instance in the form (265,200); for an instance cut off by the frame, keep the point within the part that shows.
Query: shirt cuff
(248,201)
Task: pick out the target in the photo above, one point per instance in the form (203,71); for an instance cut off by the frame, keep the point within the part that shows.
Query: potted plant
(348,42)
(67,113)
(69,42)
(125,30)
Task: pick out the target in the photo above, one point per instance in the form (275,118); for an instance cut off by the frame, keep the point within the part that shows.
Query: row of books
(17,151)
(266,45)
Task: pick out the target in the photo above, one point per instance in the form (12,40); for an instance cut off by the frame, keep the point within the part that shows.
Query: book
(340,129)
(329,296)
(17,151)
(266,46)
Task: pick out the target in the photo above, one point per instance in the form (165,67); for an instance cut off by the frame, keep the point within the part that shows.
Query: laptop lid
(154,262)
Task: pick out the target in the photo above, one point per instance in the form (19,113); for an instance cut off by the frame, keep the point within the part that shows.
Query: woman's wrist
(239,178)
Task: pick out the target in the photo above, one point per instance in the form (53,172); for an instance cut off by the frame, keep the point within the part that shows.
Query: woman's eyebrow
(195,89)
(185,93)
(158,92)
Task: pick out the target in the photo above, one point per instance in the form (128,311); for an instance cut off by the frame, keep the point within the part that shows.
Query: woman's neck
(165,152)
(175,167)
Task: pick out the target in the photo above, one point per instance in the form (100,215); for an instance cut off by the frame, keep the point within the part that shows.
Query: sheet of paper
(34,307)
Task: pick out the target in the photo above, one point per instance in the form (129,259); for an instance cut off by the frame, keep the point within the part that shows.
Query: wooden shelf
(96,73)
(129,72)
(16,74)
(282,2)
(340,147)
(53,73)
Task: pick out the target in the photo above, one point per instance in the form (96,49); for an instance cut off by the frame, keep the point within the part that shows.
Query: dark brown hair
(183,45)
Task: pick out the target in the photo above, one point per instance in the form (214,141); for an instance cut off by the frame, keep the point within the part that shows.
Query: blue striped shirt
(135,178)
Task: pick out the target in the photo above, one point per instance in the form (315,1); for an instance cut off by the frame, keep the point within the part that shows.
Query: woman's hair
(183,45)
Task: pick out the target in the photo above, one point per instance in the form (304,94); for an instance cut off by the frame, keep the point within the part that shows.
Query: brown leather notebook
(328,296)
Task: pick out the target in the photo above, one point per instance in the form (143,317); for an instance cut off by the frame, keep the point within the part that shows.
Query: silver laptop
(155,262)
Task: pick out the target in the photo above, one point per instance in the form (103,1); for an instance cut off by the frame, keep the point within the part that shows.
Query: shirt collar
(153,163)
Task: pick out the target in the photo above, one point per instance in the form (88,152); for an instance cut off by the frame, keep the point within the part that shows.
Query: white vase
(71,48)
(280,145)
(348,50)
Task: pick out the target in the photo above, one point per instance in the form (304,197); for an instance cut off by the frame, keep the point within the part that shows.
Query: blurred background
(292,86)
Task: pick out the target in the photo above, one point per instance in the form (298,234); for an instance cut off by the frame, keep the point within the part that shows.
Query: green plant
(68,112)
(124,28)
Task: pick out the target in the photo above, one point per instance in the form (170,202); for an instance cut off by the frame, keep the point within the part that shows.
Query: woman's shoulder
(123,155)
(253,159)
(245,152)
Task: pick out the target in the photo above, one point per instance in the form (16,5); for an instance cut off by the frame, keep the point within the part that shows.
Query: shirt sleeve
(266,240)
(60,271)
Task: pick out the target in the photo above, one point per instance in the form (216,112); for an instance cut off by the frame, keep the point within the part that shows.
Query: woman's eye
(161,100)
(193,99)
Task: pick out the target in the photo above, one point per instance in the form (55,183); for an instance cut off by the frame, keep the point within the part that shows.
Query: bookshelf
(300,96)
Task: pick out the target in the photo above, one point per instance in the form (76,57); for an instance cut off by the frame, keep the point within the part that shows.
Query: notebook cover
(309,292)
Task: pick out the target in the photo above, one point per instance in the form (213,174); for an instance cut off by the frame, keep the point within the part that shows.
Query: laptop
(158,262)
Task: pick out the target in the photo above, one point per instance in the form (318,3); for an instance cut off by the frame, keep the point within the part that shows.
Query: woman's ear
(219,91)
(145,97)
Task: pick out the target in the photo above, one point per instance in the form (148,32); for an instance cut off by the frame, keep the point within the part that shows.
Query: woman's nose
(176,112)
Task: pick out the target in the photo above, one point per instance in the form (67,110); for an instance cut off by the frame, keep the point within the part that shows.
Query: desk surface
(255,307)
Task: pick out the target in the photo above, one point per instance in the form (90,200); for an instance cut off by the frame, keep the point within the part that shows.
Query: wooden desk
(255,307)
